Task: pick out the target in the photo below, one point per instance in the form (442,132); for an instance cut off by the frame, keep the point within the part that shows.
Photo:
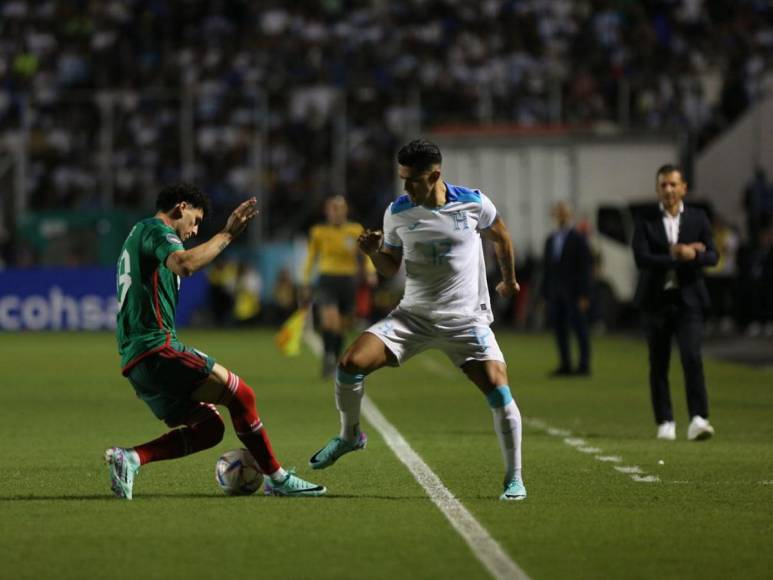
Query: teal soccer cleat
(514,491)
(293,486)
(124,464)
(334,449)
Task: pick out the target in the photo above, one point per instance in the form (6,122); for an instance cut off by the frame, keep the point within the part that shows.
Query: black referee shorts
(337,291)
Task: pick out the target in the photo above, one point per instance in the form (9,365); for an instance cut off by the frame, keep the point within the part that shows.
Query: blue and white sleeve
(488,212)
(391,238)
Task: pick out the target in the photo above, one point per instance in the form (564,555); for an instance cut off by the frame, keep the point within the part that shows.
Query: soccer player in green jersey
(182,385)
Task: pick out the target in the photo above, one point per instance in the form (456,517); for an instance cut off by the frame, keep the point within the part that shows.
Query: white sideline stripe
(579,444)
(629,469)
(483,546)
(558,432)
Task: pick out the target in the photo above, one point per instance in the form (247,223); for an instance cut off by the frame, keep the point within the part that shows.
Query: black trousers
(672,319)
(565,315)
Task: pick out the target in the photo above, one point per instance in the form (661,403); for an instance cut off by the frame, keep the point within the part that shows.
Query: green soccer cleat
(334,449)
(514,491)
(293,486)
(124,464)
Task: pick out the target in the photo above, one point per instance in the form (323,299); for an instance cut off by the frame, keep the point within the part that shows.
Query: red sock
(248,425)
(203,429)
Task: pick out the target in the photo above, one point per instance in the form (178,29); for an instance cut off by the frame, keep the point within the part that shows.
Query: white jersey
(445,269)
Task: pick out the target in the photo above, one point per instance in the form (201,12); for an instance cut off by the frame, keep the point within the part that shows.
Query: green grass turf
(63,401)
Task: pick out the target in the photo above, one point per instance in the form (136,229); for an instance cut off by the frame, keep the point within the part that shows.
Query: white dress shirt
(671,223)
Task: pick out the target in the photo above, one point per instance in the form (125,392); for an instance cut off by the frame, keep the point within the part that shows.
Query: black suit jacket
(653,257)
(569,277)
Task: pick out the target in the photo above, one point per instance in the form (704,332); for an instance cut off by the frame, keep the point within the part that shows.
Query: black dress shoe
(582,372)
(561,372)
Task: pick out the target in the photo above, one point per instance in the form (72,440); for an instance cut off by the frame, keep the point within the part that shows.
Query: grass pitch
(710,515)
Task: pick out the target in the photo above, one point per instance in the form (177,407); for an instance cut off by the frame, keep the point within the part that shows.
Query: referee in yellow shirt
(333,249)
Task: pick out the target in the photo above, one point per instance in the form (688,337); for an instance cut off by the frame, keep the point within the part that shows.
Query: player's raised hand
(370,241)
(239,218)
(508,289)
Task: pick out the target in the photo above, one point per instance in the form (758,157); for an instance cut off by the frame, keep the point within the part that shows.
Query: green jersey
(147,291)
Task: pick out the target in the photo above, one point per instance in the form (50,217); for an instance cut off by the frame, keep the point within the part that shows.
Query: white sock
(507,424)
(278,476)
(349,392)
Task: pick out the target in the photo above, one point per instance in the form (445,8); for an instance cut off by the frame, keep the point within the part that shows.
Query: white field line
(483,546)
(589,449)
(630,469)
(581,445)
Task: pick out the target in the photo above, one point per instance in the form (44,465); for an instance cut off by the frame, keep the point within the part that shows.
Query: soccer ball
(237,473)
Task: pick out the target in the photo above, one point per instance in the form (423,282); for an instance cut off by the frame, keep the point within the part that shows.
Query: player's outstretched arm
(503,246)
(385,259)
(187,262)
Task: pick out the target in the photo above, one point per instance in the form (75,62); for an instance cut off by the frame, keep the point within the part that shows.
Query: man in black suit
(672,244)
(566,289)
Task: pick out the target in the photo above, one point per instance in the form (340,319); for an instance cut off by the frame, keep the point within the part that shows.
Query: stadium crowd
(136,93)
(653,65)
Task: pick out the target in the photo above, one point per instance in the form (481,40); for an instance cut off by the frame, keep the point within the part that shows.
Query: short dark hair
(669,168)
(171,195)
(420,155)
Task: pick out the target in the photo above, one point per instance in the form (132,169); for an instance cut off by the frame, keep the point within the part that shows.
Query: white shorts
(406,335)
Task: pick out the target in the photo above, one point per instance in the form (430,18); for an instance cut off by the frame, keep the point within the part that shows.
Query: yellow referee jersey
(334,250)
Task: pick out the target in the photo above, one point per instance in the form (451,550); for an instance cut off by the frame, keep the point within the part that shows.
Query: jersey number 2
(124,278)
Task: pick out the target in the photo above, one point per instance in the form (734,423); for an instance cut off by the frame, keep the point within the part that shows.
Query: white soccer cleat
(124,464)
(667,430)
(699,429)
(514,491)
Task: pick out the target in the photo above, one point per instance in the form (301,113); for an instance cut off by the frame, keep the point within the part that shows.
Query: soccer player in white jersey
(436,228)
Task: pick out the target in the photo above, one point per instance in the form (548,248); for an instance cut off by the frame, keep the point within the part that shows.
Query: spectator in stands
(247,303)
(222,285)
(285,297)
(287,71)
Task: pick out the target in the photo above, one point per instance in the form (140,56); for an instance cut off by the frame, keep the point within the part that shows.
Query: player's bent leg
(491,378)
(226,388)
(365,355)
(201,429)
